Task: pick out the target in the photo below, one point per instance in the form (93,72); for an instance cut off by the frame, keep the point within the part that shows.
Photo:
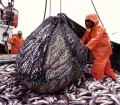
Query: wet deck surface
(7,58)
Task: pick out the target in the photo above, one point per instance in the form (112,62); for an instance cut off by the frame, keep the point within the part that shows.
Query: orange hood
(93,17)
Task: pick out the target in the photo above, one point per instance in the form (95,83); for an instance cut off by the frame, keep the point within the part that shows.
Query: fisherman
(99,44)
(16,41)
(9,10)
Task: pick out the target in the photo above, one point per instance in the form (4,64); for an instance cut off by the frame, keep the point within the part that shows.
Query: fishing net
(52,56)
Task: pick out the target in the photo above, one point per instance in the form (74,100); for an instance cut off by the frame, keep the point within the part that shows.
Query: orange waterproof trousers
(102,67)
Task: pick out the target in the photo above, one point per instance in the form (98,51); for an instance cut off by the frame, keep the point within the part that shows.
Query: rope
(60,6)
(45,10)
(97,12)
(50,9)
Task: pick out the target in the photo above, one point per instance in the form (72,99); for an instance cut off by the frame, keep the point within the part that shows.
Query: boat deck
(7,58)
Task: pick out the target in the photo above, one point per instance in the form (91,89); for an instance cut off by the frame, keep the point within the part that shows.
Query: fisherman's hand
(84,45)
(13,44)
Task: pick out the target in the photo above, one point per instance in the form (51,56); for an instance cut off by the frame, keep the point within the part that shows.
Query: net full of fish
(52,57)
(86,91)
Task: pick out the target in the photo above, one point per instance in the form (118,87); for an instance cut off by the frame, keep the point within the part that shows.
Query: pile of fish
(86,91)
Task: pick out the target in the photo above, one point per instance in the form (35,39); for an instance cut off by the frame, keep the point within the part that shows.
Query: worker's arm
(84,38)
(96,36)
(11,40)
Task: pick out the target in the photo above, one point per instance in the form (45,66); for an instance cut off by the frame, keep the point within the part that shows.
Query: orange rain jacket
(98,42)
(15,42)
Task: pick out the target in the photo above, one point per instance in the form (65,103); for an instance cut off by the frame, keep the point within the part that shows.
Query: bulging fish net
(52,56)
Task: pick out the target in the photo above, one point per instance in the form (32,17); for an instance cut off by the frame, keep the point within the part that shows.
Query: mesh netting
(52,57)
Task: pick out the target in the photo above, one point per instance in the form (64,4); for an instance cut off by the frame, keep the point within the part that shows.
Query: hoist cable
(45,10)
(97,12)
(50,9)
(60,6)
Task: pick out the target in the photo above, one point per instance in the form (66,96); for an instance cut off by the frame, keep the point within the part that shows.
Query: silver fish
(40,102)
(113,97)
(92,101)
(83,102)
